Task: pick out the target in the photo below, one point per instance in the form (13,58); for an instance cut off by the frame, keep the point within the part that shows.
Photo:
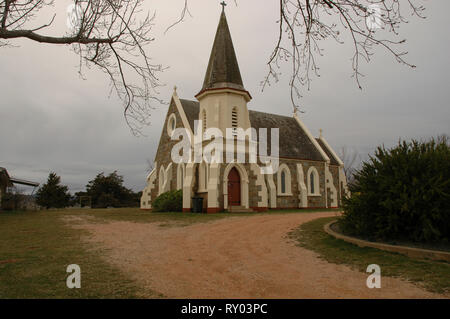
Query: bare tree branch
(110,34)
(304,23)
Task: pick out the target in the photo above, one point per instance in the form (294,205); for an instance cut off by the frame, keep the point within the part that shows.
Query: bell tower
(223,98)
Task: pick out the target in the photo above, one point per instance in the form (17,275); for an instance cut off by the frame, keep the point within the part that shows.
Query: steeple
(223,69)
(223,98)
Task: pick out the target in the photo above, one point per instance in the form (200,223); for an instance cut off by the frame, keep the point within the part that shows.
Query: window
(203,177)
(180,176)
(171,124)
(234,121)
(161,180)
(313,182)
(284,181)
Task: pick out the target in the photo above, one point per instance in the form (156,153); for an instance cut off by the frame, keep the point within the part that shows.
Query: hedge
(402,194)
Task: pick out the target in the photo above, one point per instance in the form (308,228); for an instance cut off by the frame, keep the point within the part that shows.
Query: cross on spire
(223,4)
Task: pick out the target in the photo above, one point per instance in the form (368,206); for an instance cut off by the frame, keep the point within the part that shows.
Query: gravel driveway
(236,257)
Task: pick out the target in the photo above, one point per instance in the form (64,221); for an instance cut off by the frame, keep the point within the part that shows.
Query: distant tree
(351,160)
(108,190)
(52,194)
(82,199)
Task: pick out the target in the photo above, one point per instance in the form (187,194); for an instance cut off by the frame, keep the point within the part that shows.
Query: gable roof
(191,109)
(293,142)
(333,159)
(223,69)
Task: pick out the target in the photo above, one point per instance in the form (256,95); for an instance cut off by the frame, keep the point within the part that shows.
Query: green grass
(35,250)
(432,275)
(177,219)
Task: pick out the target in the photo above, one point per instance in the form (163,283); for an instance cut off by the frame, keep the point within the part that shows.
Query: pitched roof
(9,181)
(223,68)
(191,109)
(23,182)
(294,142)
(333,160)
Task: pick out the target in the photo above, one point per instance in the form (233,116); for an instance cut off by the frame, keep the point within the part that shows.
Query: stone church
(309,175)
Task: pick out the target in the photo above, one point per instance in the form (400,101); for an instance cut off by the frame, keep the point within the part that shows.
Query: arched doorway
(234,188)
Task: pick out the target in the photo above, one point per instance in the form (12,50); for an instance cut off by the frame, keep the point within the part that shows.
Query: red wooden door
(234,188)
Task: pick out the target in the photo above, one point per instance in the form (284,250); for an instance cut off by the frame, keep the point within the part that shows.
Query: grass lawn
(36,248)
(432,275)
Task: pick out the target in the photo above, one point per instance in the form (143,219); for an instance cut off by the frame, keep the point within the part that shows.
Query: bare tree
(351,160)
(109,34)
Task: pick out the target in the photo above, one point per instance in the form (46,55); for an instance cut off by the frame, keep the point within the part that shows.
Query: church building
(309,174)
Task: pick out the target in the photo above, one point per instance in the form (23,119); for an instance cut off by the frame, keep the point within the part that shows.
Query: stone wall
(163,154)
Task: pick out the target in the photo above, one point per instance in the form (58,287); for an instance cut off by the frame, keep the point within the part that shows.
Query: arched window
(204,121)
(313,181)
(203,177)
(284,180)
(234,121)
(171,124)
(180,176)
(161,180)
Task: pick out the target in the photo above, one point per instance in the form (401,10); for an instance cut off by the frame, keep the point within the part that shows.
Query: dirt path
(242,257)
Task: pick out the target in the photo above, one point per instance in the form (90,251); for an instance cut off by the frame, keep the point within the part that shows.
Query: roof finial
(223,4)
(321,132)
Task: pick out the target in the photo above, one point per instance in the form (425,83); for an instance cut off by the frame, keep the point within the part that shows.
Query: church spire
(223,69)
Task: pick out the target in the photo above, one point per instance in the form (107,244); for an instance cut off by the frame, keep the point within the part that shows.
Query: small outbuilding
(7,182)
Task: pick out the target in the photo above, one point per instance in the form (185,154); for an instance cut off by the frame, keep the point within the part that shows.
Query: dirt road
(240,257)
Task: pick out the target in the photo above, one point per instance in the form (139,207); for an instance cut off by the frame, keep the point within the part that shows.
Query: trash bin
(197,204)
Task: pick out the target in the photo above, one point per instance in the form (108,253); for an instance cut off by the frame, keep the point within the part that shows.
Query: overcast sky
(52,120)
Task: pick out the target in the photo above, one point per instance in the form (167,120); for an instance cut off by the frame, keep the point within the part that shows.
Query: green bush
(402,194)
(171,201)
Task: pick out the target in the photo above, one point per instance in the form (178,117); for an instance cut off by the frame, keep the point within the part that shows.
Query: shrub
(402,194)
(11,201)
(171,201)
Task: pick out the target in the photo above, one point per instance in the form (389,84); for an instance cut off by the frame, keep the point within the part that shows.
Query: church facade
(309,174)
